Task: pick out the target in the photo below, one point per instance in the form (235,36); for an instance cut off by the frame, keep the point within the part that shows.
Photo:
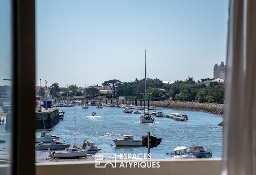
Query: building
(219,71)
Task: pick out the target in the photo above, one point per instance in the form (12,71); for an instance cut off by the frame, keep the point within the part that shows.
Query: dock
(47,118)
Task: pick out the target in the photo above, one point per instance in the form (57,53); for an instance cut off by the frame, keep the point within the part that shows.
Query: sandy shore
(206,107)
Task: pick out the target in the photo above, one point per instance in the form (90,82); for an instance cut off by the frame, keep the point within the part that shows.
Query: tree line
(187,90)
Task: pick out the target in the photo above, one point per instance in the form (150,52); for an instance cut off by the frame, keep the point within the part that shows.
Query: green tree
(72,90)
(54,90)
(113,84)
(92,91)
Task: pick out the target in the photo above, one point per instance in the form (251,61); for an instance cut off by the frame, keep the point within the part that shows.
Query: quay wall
(47,119)
(205,107)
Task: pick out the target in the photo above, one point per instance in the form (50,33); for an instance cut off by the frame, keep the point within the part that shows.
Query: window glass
(92,59)
(5,81)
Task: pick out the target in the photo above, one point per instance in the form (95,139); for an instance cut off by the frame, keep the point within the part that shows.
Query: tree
(54,90)
(72,90)
(113,84)
(92,91)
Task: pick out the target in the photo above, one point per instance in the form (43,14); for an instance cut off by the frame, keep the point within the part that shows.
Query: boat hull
(67,154)
(128,143)
(51,146)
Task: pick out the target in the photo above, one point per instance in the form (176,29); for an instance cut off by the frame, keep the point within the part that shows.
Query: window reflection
(5,81)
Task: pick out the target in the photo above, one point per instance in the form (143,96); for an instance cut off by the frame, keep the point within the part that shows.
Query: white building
(219,71)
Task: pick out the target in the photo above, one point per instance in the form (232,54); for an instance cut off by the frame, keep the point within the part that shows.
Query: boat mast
(145,86)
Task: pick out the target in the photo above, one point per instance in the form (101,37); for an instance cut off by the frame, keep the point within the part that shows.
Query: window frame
(23,91)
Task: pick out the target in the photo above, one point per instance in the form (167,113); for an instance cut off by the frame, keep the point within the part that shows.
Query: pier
(47,118)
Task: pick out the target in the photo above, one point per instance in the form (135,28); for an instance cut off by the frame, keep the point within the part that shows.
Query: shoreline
(212,108)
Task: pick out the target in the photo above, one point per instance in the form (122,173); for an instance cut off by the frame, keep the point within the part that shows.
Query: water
(111,123)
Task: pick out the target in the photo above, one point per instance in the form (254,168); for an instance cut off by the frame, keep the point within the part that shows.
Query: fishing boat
(127,140)
(90,147)
(146,117)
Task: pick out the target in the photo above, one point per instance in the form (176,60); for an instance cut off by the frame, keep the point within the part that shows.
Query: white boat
(181,152)
(146,117)
(90,147)
(127,110)
(152,108)
(99,106)
(70,152)
(61,114)
(179,117)
(46,137)
(127,140)
(139,107)
(74,152)
(85,106)
(54,145)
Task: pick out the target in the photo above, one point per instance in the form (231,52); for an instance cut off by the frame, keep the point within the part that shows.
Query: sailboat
(85,106)
(146,117)
(71,152)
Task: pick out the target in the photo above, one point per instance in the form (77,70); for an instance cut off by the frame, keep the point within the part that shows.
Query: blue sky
(87,42)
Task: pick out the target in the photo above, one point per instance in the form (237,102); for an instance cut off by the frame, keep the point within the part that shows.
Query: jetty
(47,118)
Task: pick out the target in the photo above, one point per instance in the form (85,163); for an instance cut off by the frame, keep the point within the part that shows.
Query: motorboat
(152,108)
(199,152)
(137,112)
(139,107)
(127,140)
(99,106)
(159,114)
(54,145)
(46,137)
(90,147)
(93,114)
(93,103)
(73,152)
(128,110)
(179,117)
(85,106)
(147,118)
(61,114)
(181,152)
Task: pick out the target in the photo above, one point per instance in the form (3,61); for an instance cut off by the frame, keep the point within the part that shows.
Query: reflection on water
(111,123)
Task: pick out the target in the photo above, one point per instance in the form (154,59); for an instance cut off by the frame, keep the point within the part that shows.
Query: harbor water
(111,123)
